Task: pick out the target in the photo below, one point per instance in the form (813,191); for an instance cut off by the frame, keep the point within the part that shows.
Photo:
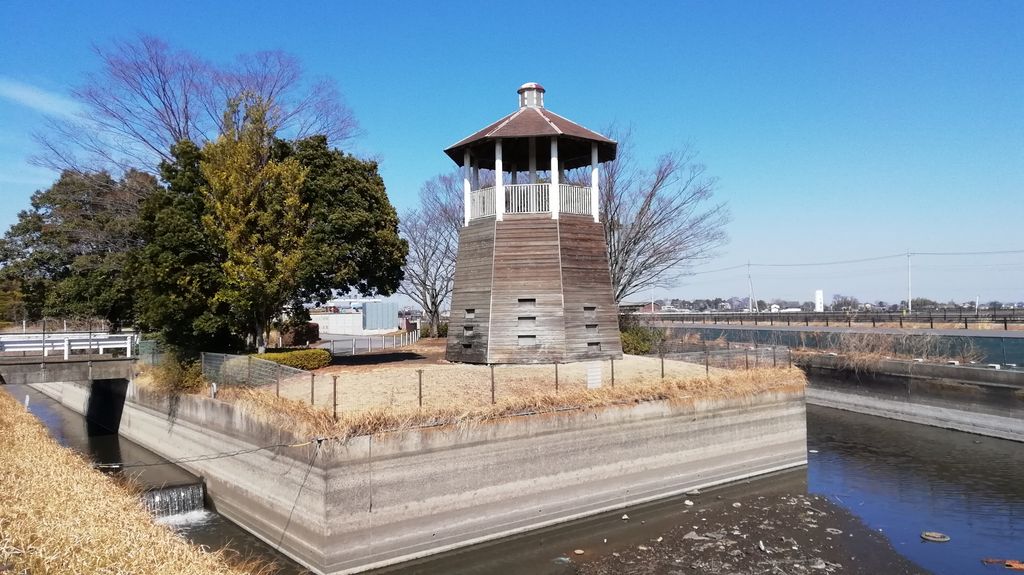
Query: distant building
(819,301)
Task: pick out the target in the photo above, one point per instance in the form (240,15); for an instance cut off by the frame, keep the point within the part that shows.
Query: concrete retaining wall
(976,400)
(373,501)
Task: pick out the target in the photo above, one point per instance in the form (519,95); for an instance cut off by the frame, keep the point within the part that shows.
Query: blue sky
(838,130)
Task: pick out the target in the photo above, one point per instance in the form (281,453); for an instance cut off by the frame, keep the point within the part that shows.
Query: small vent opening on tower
(527,321)
(527,302)
(470,313)
(590,311)
(527,340)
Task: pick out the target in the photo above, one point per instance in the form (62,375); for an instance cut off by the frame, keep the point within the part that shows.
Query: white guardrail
(66,342)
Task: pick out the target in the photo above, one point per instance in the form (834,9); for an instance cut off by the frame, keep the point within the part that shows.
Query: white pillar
(553,189)
(533,160)
(466,168)
(499,182)
(595,180)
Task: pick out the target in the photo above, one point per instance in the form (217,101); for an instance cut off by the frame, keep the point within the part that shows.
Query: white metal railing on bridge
(65,343)
(526,198)
(481,203)
(574,200)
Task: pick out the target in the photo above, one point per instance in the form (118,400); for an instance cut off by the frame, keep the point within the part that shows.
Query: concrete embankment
(973,399)
(369,501)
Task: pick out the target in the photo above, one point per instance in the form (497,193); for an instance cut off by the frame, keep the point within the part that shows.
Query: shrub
(308,359)
(442,330)
(640,340)
(175,375)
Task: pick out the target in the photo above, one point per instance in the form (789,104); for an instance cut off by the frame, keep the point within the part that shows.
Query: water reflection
(905,478)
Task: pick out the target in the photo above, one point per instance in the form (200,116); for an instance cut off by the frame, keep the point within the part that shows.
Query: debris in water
(737,504)
(578,552)
(935,536)
(834,531)
(688,503)
(625,517)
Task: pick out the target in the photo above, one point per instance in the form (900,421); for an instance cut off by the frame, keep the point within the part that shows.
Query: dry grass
(58,515)
(396,384)
(865,351)
(306,419)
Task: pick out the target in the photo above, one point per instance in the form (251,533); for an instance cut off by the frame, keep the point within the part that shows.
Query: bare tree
(147,96)
(432,231)
(658,223)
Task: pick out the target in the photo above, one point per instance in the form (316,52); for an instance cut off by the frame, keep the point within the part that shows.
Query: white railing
(64,343)
(574,199)
(481,203)
(526,198)
(530,199)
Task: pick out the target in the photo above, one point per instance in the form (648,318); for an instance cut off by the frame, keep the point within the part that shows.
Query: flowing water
(896,478)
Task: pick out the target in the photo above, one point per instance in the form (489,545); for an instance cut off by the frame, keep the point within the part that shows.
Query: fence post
(1006,324)
(334,383)
(789,352)
(312,386)
(67,349)
(248,370)
(746,358)
(419,392)
(332,348)
(353,345)
(661,353)
(277,385)
(965,323)
(774,364)
(492,384)
(707,367)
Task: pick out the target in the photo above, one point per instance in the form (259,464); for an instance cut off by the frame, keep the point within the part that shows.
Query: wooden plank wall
(472,291)
(562,265)
(586,282)
(526,266)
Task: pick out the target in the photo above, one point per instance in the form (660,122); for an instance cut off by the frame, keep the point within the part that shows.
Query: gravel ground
(391,378)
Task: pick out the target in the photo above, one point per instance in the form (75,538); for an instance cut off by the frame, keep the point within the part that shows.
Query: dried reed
(58,515)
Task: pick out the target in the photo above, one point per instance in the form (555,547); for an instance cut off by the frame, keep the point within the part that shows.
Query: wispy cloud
(37,98)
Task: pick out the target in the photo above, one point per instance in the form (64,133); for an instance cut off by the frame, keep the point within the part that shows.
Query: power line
(857,261)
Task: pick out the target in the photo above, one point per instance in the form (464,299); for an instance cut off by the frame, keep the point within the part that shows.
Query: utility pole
(750,283)
(910,306)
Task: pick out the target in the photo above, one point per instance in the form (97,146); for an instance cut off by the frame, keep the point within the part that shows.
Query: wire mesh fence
(228,369)
(740,357)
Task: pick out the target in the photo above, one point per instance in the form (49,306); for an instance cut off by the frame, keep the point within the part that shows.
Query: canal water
(895,478)
(988,348)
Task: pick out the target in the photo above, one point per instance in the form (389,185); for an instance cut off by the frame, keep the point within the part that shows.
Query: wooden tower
(531,280)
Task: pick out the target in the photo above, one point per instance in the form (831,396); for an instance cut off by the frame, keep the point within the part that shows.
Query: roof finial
(531,94)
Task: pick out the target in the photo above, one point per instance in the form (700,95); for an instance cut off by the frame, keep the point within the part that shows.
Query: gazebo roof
(529,121)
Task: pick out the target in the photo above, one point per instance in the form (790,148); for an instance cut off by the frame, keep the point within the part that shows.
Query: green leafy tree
(351,240)
(254,209)
(68,252)
(179,269)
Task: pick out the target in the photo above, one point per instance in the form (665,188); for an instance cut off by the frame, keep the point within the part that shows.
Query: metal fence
(228,369)
(358,344)
(738,357)
(991,319)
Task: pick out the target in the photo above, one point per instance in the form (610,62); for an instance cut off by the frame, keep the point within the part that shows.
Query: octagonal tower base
(533,289)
